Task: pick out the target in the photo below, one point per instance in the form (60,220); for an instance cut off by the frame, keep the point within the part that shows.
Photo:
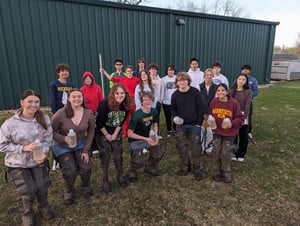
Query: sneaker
(160,137)
(55,165)
(234,159)
(240,159)
(169,134)
(250,136)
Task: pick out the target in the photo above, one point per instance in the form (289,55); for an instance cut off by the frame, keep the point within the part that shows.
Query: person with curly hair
(112,114)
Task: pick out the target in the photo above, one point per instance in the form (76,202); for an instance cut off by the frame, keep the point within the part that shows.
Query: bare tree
(219,7)
(130,2)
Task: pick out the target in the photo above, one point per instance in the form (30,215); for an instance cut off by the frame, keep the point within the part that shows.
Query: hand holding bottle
(211,122)
(71,139)
(226,124)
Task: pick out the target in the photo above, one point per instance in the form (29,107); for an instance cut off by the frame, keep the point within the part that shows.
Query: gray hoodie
(16,132)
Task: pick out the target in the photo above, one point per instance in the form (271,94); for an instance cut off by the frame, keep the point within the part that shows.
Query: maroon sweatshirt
(230,109)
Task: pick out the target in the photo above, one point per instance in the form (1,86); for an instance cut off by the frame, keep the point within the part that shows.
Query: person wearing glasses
(141,64)
(143,139)
(118,64)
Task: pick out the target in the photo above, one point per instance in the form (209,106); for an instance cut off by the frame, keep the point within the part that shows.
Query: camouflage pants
(107,148)
(137,158)
(187,142)
(223,150)
(31,182)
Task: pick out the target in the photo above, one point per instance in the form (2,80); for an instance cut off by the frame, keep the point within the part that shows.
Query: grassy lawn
(265,188)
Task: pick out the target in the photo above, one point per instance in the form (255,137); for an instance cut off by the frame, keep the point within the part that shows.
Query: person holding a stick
(118,72)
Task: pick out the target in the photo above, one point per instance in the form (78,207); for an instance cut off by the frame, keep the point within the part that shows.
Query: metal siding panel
(41,33)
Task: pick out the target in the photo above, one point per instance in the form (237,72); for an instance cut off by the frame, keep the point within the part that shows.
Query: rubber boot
(85,175)
(27,217)
(228,149)
(43,206)
(105,182)
(150,167)
(196,156)
(181,138)
(120,177)
(156,154)
(137,161)
(69,193)
(216,154)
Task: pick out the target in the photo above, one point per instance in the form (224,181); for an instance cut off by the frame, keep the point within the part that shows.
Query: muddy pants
(224,149)
(137,157)
(72,165)
(31,183)
(188,140)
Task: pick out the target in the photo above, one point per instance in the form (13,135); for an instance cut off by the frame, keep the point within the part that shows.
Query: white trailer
(285,70)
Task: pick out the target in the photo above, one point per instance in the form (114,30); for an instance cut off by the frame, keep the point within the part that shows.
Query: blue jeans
(189,128)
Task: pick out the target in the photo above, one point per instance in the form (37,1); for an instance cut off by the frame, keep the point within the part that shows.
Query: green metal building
(35,35)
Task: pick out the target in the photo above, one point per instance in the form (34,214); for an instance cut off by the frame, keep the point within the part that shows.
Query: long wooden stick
(102,81)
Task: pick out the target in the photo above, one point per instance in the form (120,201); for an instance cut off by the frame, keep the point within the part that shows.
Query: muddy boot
(86,189)
(150,167)
(181,138)
(156,154)
(27,217)
(69,194)
(137,161)
(43,206)
(196,156)
(120,177)
(105,182)
(228,149)
(216,154)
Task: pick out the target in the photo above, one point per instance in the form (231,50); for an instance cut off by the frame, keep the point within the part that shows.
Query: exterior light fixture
(180,21)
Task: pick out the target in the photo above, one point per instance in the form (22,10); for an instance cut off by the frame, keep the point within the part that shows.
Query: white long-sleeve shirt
(197,78)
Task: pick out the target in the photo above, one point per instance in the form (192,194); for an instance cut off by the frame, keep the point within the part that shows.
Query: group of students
(131,110)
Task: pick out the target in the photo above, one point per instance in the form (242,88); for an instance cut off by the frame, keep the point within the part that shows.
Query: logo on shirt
(170,85)
(64,88)
(222,113)
(115,118)
(147,120)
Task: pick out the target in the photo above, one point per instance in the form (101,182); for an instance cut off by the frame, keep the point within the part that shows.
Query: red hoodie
(92,93)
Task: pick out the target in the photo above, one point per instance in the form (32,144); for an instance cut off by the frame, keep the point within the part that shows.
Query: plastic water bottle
(212,122)
(152,134)
(72,135)
(226,122)
(38,153)
(178,121)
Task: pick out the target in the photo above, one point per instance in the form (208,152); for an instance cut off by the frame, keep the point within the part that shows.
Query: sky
(284,11)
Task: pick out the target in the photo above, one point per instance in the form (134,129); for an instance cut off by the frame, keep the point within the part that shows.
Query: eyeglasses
(147,99)
(118,64)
